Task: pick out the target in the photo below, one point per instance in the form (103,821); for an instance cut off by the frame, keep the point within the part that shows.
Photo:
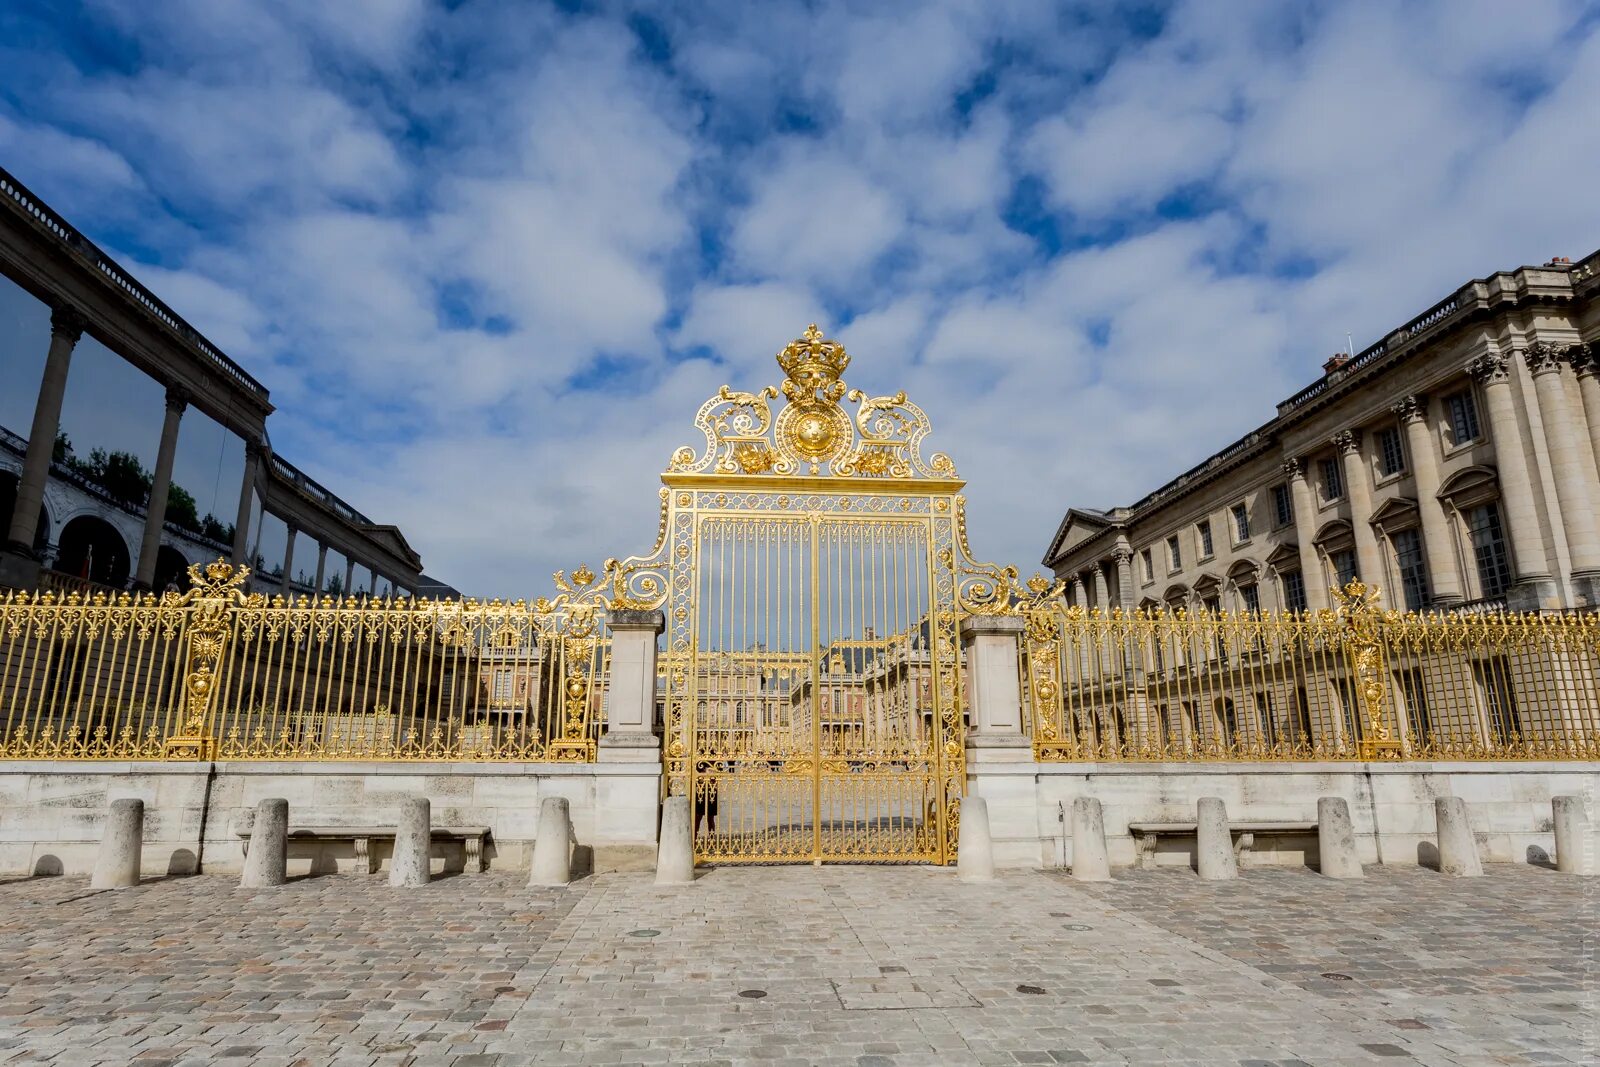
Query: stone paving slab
(836,965)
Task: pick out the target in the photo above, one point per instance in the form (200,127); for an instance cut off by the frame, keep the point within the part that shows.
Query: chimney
(1559,261)
(1335,361)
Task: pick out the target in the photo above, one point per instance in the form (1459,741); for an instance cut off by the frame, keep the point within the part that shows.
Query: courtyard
(833,965)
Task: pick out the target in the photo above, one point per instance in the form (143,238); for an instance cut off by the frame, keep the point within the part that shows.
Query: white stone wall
(1390,804)
(51,813)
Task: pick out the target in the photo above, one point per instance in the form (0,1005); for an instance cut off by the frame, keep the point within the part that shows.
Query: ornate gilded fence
(1358,682)
(215,673)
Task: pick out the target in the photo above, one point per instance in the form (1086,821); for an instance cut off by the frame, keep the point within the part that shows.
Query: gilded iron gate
(812,570)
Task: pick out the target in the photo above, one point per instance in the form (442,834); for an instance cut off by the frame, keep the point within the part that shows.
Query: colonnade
(67,326)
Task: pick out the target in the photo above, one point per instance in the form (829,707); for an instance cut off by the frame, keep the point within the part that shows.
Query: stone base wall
(51,813)
(1391,805)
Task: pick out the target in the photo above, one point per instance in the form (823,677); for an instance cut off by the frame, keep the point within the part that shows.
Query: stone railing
(15,193)
(314,489)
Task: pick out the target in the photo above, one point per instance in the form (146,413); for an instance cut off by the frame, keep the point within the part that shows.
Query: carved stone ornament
(1543,357)
(67,322)
(1490,368)
(1584,359)
(1347,441)
(1411,408)
(1294,468)
(812,435)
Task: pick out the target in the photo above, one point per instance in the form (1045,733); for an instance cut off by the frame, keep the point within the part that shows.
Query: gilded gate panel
(812,567)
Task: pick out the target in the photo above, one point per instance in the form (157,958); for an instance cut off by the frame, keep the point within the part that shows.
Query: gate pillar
(628,778)
(631,703)
(1000,764)
(993,667)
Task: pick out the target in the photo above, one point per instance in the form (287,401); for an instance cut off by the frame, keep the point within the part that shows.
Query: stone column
(121,846)
(322,565)
(1585,359)
(1443,575)
(1305,528)
(631,699)
(1534,587)
(66,327)
(1000,766)
(1358,489)
(288,557)
(155,515)
(247,489)
(1123,557)
(1102,598)
(975,842)
(1575,476)
(992,670)
(349,575)
(628,791)
(1079,593)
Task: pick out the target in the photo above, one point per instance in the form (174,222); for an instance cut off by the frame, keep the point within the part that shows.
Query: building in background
(62,523)
(1452,464)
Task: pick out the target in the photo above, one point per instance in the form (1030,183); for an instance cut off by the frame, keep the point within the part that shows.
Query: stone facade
(86,293)
(52,812)
(1452,464)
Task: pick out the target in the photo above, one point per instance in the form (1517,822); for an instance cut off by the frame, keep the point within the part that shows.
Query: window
(1344,566)
(1265,723)
(1227,722)
(1494,681)
(1174,555)
(1332,480)
(1350,710)
(1203,530)
(1294,591)
(1463,412)
(1250,597)
(1413,569)
(1282,505)
(1416,697)
(1489,549)
(1391,453)
(1148,563)
(504,686)
(1302,716)
(1241,523)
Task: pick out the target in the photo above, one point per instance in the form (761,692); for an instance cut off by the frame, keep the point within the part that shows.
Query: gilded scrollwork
(812,435)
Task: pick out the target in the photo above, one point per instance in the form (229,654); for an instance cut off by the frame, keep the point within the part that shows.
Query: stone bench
(1147,834)
(471,837)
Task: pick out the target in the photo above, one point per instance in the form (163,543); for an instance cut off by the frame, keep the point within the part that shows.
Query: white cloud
(421,226)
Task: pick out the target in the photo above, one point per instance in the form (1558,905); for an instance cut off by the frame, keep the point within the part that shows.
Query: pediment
(1078,527)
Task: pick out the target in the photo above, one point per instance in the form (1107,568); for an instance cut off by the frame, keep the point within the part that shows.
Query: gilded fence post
(579,642)
(1363,632)
(1041,656)
(214,593)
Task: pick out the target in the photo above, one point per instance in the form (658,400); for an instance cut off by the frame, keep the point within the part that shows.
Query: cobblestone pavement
(839,965)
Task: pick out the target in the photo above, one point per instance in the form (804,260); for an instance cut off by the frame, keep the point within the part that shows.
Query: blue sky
(490,257)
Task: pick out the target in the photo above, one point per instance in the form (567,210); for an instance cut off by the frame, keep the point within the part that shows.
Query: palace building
(62,530)
(1452,464)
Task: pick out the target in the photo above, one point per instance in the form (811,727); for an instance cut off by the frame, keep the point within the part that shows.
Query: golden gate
(812,568)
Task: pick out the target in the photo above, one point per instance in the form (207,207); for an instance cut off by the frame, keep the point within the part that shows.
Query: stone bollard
(121,846)
(267,861)
(1214,842)
(1574,847)
(974,843)
(1458,849)
(675,849)
(552,848)
(409,864)
(1336,839)
(1089,860)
